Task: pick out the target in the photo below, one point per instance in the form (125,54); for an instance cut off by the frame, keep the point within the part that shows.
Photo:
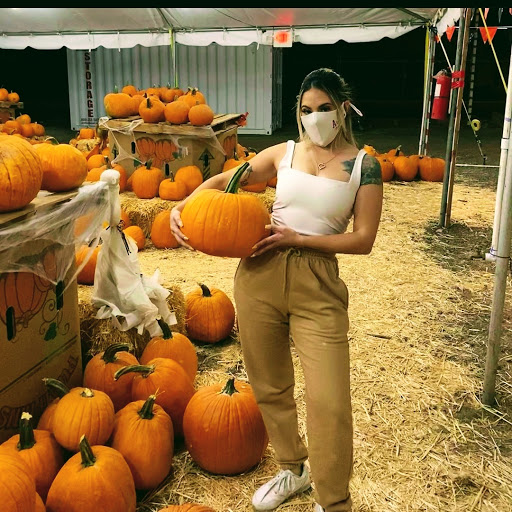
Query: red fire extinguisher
(441,95)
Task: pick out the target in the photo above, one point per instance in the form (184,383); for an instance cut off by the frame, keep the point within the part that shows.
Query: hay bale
(96,334)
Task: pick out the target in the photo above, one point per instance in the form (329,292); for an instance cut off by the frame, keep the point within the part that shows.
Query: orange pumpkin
(40,451)
(146,181)
(152,111)
(175,346)
(11,127)
(137,234)
(255,187)
(161,234)
(394,153)
(387,169)
(87,133)
(82,411)
(94,479)
(3,94)
(21,173)
(24,119)
(27,130)
(431,169)
(370,150)
(200,115)
(172,94)
(64,167)
(13,97)
(231,163)
(95,161)
(99,373)
(405,168)
(159,374)
(196,94)
(118,105)
(234,438)
(131,90)
(86,275)
(191,176)
(224,223)
(40,506)
(176,112)
(134,425)
(172,190)
(39,130)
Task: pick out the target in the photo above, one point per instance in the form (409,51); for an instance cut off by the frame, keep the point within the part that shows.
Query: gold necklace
(322,165)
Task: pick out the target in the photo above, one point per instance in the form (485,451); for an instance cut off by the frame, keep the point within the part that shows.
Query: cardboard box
(40,336)
(8,110)
(170,147)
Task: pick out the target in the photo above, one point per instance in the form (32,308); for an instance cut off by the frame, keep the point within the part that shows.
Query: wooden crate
(8,110)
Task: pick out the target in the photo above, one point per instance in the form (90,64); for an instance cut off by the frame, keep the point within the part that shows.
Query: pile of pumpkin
(160,104)
(396,165)
(23,127)
(10,97)
(95,445)
(91,141)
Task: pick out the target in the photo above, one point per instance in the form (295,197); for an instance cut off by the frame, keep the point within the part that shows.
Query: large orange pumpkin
(405,168)
(99,374)
(118,105)
(160,374)
(173,345)
(233,439)
(161,234)
(136,424)
(82,411)
(224,223)
(41,452)
(95,479)
(17,485)
(64,167)
(431,169)
(21,173)
(210,314)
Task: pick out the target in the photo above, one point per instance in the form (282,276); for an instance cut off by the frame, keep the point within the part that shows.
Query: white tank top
(314,205)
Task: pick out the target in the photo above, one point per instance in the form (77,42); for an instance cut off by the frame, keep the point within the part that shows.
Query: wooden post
(427,92)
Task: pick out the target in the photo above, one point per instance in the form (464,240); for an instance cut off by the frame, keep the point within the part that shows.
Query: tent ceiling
(86,28)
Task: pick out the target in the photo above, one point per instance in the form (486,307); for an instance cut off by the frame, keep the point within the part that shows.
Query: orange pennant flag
(449,32)
(492,33)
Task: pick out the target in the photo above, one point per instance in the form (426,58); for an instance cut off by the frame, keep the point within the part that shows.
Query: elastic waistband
(305,251)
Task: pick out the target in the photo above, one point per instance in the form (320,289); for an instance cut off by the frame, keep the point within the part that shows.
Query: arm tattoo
(244,180)
(371,173)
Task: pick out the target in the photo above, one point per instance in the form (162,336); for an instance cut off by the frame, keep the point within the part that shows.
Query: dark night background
(386,75)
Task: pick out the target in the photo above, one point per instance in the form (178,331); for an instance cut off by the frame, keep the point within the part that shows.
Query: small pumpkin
(64,167)
(387,169)
(11,127)
(94,479)
(24,119)
(370,150)
(95,161)
(231,163)
(40,450)
(224,223)
(172,190)
(100,369)
(46,420)
(135,424)
(137,99)
(234,438)
(191,176)
(17,485)
(405,168)
(431,169)
(27,130)
(160,374)
(161,235)
(392,154)
(39,129)
(3,94)
(209,314)
(82,411)
(146,181)
(176,112)
(13,97)
(137,234)
(118,105)
(152,111)
(129,89)
(196,94)
(172,94)
(86,133)
(200,115)
(86,275)
(173,345)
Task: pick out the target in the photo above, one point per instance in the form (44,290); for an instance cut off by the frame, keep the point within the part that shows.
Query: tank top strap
(288,157)
(356,172)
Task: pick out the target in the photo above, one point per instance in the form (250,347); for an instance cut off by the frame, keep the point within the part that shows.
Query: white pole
(503,162)
(427,93)
(502,256)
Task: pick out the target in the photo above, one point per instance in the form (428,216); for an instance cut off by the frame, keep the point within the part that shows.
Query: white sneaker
(318,508)
(285,484)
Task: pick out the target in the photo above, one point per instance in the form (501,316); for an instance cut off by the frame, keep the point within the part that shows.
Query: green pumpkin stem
(205,289)
(58,387)
(27,439)
(88,458)
(229,388)
(146,411)
(234,182)
(145,369)
(166,330)
(110,354)
(148,164)
(116,89)
(148,103)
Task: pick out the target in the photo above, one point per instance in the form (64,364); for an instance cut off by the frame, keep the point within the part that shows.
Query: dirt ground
(420,305)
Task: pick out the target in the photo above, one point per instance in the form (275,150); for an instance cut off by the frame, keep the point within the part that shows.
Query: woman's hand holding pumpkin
(281,236)
(176,224)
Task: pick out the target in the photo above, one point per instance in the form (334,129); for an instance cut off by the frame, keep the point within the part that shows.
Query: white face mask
(322,127)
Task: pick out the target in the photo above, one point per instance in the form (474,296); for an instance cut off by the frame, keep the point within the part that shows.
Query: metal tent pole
(503,162)
(472,67)
(502,267)
(427,91)
(455,114)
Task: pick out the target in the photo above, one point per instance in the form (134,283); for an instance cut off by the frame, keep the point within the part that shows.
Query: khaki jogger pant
(298,293)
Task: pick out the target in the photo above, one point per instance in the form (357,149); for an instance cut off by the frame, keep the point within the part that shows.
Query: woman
(290,287)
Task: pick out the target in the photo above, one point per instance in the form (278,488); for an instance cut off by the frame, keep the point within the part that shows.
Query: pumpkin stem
(88,458)
(110,353)
(146,411)
(206,290)
(145,369)
(148,164)
(148,103)
(27,439)
(116,90)
(58,387)
(167,333)
(229,388)
(234,182)
(87,393)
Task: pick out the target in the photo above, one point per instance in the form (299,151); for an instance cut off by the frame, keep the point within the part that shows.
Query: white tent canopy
(88,28)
